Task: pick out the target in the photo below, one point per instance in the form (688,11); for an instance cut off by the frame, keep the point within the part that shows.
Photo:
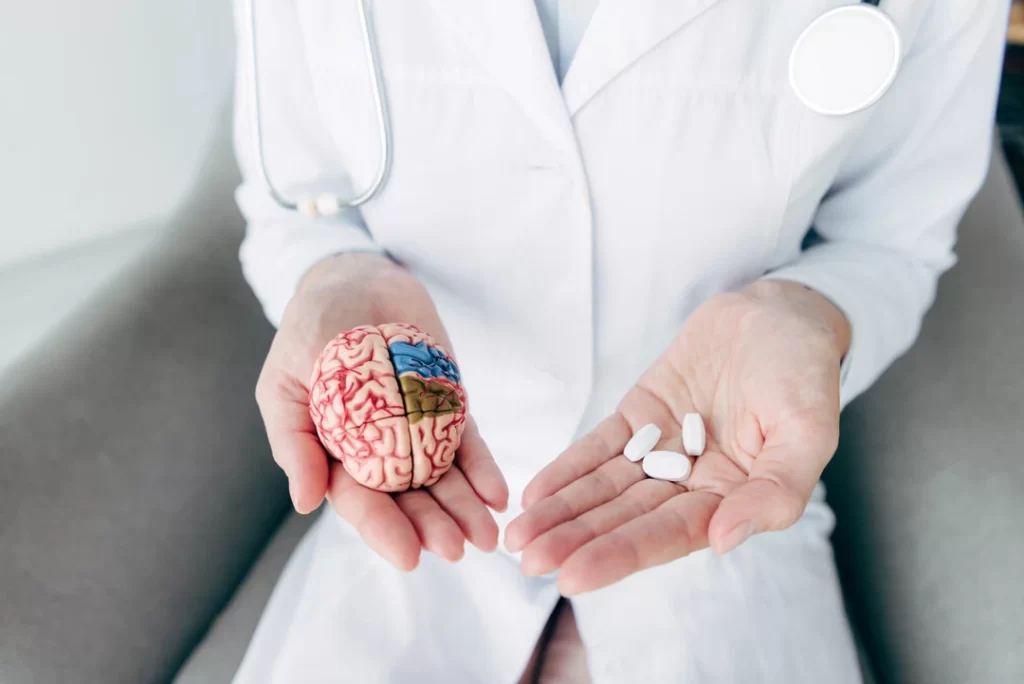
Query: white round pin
(845,60)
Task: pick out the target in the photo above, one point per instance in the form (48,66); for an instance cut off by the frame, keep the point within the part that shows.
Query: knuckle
(273,387)
(627,549)
(264,390)
(646,495)
(603,484)
(784,504)
(358,516)
(806,431)
(789,507)
(463,505)
(830,442)
(819,338)
(281,461)
(582,530)
(561,509)
(816,432)
(682,527)
(442,522)
(594,442)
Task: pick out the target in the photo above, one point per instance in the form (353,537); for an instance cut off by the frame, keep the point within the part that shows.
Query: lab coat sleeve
(280,246)
(888,224)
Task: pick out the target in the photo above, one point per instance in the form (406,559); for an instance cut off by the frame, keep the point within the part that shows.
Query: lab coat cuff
(852,372)
(275,258)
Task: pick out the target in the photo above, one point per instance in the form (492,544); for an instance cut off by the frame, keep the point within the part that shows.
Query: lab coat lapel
(508,39)
(620,33)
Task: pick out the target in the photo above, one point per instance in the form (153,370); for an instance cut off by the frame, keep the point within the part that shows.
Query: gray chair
(143,522)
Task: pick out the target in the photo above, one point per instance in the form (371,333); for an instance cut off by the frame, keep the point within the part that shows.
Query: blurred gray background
(143,522)
(108,111)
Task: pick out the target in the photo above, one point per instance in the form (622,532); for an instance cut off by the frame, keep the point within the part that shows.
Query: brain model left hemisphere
(387,402)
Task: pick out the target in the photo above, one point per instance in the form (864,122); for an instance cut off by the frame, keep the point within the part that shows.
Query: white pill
(645,439)
(694,436)
(667,465)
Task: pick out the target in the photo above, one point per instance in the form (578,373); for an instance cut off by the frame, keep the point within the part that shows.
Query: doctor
(603,209)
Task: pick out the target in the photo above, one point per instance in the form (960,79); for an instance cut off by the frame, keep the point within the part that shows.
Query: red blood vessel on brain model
(388,402)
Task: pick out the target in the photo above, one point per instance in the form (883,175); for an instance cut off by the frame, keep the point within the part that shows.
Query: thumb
(773,498)
(293,440)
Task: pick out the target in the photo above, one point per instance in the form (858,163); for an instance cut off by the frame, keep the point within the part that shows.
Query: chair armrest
(928,478)
(136,484)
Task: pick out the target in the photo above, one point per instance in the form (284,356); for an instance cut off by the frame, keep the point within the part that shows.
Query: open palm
(762,368)
(340,294)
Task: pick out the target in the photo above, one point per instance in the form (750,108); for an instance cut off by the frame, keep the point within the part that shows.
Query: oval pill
(645,439)
(667,465)
(694,435)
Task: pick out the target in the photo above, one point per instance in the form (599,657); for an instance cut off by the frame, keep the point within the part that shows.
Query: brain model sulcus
(388,402)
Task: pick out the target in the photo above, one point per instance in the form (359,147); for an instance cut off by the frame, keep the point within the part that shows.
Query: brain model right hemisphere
(387,402)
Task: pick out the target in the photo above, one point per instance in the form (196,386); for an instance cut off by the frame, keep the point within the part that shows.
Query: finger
(579,496)
(377,518)
(603,443)
(283,403)
(675,529)
(551,549)
(454,494)
(775,495)
(716,472)
(477,463)
(434,527)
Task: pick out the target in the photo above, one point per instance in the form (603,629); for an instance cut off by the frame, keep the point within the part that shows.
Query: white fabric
(340,614)
(551,224)
(564,23)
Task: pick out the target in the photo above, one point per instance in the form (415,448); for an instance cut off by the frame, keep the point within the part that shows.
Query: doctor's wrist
(369,283)
(345,269)
(349,290)
(811,303)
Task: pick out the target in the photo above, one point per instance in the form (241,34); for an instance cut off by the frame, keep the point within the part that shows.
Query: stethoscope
(841,64)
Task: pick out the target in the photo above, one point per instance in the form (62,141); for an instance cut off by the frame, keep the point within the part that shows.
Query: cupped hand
(762,368)
(339,294)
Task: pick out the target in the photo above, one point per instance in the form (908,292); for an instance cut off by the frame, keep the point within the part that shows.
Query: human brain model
(387,402)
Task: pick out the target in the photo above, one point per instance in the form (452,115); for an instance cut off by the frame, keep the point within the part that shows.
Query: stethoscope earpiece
(846,60)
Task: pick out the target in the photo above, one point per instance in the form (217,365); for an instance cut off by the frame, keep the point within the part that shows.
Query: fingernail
(453,555)
(293,494)
(530,567)
(513,545)
(567,586)
(739,534)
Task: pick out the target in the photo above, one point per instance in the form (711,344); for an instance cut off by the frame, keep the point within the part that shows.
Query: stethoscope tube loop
(329,204)
(323,204)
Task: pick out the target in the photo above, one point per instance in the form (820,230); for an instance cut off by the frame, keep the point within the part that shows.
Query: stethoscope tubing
(383,115)
(335,204)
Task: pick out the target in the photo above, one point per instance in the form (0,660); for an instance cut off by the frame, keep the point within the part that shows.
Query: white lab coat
(565,235)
